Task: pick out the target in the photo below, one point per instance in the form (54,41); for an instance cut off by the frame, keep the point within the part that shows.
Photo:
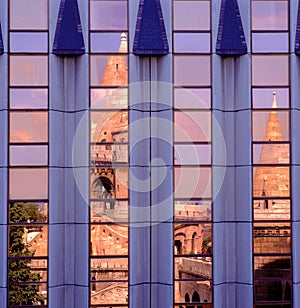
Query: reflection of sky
(28,98)
(28,183)
(192,126)
(28,127)
(192,42)
(108,15)
(191,154)
(270,42)
(29,70)
(270,70)
(28,42)
(192,98)
(28,155)
(105,42)
(191,15)
(262,98)
(269,15)
(192,70)
(29,14)
(192,182)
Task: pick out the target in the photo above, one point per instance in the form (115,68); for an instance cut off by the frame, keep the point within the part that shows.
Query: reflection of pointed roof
(272,181)
(273,130)
(115,73)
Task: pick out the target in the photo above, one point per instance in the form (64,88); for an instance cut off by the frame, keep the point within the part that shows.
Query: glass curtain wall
(193,244)
(108,154)
(272,264)
(28,153)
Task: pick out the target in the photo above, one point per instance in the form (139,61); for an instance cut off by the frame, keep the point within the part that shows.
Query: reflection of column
(232,263)
(3,154)
(68,209)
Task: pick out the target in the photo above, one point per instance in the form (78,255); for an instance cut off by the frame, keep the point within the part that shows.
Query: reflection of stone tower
(272,181)
(106,180)
(273,236)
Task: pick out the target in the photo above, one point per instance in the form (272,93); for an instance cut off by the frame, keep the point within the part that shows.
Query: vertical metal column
(68,207)
(232,208)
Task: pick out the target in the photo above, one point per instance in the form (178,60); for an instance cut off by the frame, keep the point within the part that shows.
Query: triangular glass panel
(150,33)
(231,39)
(297,41)
(68,38)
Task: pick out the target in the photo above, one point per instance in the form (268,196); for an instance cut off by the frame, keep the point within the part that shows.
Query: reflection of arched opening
(178,246)
(103,186)
(194,242)
(187,298)
(195,297)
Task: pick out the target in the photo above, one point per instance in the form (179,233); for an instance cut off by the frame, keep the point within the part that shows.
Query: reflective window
(27,266)
(192,182)
(191,15)
(28,70)
(109,126)
(192,126)
(192,70)
(28,127)
(270,42)
(270,125)
(261,98)
(192,154)
(190,210)
(192,98)
(108,15)
(30,155)
(116,98)
(192,42)
(269,15)
(28,98)
(266,208)
(29,14)
(109,70)
(107,42)
(109,170)
(30,184)
(28,42)
(270,70)
(271,180)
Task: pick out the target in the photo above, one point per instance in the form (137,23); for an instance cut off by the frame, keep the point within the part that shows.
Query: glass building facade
(149,153)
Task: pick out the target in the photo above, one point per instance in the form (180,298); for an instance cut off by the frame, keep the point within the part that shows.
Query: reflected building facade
(144,180)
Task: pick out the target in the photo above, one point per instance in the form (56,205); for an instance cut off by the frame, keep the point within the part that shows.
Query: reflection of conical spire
(272,181)
(115,73)
(273,130)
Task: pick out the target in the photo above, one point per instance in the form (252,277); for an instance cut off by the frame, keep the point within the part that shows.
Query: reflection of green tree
(206,245)
(19,270)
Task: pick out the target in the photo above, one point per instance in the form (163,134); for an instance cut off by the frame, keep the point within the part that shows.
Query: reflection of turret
(110,131)
(115,73)
(272,181)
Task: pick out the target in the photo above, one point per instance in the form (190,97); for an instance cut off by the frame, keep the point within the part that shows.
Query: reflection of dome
(115,128)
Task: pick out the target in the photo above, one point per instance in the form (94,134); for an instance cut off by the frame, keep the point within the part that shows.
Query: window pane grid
(28,154)
(271,154)
(109,146)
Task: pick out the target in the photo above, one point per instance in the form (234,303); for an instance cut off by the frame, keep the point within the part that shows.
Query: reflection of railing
(196,267)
